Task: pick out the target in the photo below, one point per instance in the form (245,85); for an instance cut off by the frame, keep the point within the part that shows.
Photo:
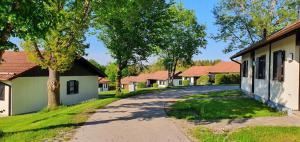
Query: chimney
(264,33)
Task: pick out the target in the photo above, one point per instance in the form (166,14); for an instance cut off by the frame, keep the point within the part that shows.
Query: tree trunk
(173,72)
(53,89)
(118,81)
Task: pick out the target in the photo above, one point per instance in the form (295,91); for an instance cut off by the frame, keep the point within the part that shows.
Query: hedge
(155,85)
(141,85)
(186,82)
(227,79)
(203,80)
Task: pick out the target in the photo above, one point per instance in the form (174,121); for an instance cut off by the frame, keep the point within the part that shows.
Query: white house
(103,84)
(23,84)
(270,68)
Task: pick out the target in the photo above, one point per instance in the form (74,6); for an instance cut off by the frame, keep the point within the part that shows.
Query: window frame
(261,63)
(2,93)
(75,84)
(278,66)
(245,68)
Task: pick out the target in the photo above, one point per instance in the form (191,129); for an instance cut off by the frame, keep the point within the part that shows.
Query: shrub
(1,133)
(203,80)
(141,85)
(227,79)
(186,82)
(155,85)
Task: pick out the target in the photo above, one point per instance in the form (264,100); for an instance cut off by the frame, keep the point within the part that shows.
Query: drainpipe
(240,70)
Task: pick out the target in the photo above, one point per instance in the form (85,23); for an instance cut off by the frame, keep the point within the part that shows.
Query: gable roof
(16,63)
(225,67)
(288,30)
(196,71)
(103,80)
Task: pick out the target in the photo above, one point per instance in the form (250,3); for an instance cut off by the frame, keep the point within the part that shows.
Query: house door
(252,71)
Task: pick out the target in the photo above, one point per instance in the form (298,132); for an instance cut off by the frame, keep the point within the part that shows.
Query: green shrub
(141,85)
(186,82)
(203,80)
(227,79)
(155,85)
(1,133)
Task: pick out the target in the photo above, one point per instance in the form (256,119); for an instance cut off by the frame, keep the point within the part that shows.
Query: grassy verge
(128,94)
(215,94)
(250,134)
(215,109)
(46,125)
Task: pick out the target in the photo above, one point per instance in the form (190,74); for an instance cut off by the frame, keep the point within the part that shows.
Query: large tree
(25,19)
(242,22)
(180,39)
(63,43)
(126,29)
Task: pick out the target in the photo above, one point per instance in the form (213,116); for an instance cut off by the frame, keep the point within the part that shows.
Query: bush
(227,79)
(1,133)
(186,82)
(141,85)
(155,85)
(203,80)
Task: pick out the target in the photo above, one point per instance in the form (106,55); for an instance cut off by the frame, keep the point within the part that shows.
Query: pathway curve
(138,119)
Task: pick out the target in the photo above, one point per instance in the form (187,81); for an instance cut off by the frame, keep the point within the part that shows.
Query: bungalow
(103,84)
(270,68)
(23,84)
(194,72)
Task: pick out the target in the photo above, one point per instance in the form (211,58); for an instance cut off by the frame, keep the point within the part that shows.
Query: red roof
(225,67)
(196,71)
(103,80)
(16,63)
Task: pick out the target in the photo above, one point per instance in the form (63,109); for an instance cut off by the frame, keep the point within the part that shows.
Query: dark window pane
(2,91)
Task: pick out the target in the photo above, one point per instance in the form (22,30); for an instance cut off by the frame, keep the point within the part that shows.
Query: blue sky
(203,10)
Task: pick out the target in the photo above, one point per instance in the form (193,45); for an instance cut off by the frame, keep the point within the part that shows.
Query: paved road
(138,119)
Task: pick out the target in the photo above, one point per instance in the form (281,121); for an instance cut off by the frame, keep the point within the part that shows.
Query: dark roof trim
(285,32)
(100,73)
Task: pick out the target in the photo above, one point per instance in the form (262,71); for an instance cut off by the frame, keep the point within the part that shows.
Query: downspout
(240,70)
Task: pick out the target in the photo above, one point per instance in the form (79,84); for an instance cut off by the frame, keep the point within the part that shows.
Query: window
(245,69)
(72,87)
(261,67)
(2,91)
(278,65)
(180,82)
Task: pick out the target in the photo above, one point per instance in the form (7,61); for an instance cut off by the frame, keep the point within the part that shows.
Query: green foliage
(227,79)
(228,93)
(185,82)
(25,19)
(203,80)
(241,23)
(141,85)
(155,85)
(111,72)
(96,64)
(206,62)
(66,41)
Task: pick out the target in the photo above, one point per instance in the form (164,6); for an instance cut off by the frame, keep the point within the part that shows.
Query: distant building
(103,84)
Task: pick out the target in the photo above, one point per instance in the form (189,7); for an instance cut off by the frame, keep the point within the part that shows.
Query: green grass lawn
(215,109)
(46,125)
(128,94)
(250,134)
(215,94)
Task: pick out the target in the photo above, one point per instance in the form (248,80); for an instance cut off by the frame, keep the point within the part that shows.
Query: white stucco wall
(29,94)
(246,82)
(176,82)
(285,93)
(103,88)
(4,103)
(161,85)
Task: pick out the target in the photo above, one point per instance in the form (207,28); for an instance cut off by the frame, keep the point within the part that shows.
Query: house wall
(191,79)
(162,83)
(286,93)
(103,88)
(282,94)
(176,82)
(246,82)
(29,94)
(4,104)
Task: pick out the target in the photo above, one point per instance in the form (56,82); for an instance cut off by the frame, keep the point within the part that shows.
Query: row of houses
(191,74)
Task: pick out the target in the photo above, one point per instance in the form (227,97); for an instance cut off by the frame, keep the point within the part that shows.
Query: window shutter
(76,84)
(68,87)
(282,66)
(257,68)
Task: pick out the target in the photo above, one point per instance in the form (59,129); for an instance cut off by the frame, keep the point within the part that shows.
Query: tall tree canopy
(126,29)
(25,19)
(62,44)
(242,22)
(180,39)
